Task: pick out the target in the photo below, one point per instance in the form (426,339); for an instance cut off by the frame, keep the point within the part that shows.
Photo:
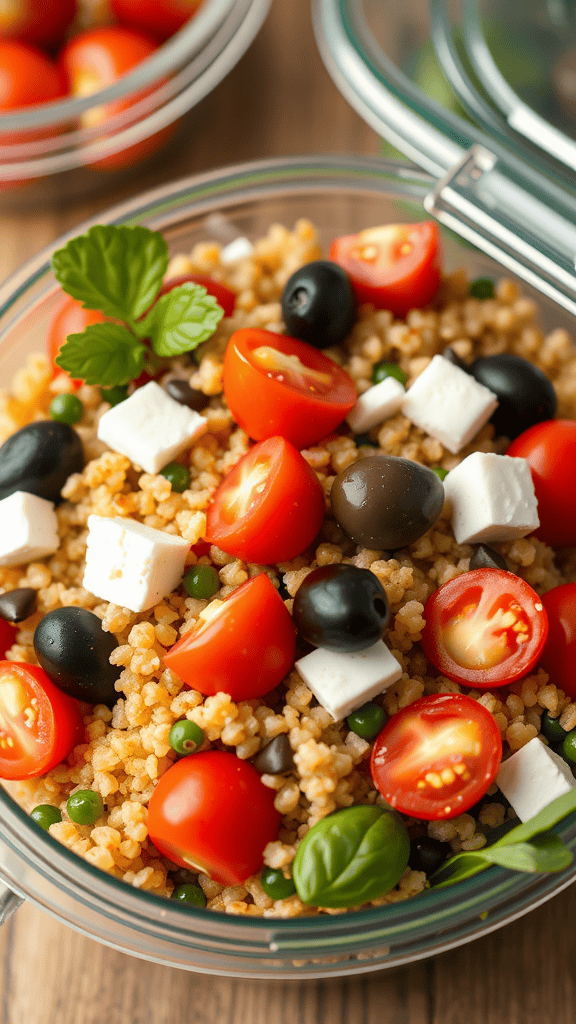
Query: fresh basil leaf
(351,857)
(459,867)
(543,821)
(105,354)
(116,269)
(181,320)
(545,852)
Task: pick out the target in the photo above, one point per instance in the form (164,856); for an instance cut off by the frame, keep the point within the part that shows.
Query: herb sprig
(119,270)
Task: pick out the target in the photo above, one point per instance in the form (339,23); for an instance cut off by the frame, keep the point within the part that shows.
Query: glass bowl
(340,195)
(68,142)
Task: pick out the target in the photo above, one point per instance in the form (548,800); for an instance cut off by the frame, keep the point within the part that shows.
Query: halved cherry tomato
(211,812)
(275,384)
(484,628)
(162,18)
(40,22)
(270,506)
(223,295)
(550,450)
(559,654)
(71,318)
(395,267)
(7,636)
(39,725)
(437,757)
(245,648)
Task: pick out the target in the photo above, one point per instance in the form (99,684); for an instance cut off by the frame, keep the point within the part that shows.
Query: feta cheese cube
(28,528)
(533,777)
(343,682)
(448,404)
(376,405)
(150,427)
(492,498)
(131,564)
(235,251)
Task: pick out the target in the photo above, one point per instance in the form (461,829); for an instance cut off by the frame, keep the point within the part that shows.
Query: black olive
(74,650)
(318,304)
(524,393)
(428,854)
(39,459)
(341,607)
(17,605)
(181,392)
(276,758)
(386,502)
(454,358)
(486,558)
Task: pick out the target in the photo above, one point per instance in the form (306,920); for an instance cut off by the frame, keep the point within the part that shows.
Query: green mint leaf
(351,857)
(545,852)
(105,354)
(116,269)
(181,320)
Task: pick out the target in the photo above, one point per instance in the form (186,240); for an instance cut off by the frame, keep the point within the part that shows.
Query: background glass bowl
(340,195)
(52,141)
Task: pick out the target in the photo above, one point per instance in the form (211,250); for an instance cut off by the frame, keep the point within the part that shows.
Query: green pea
(46,815)
(202,582)
(365,439)
(115,395)
(84,807)
(383,370)
(276,885)
(569,747)
(66,409)
(482,288)
(190,894)
(185,737)
(178,475)
(440,472)
(367,721)
(552,729)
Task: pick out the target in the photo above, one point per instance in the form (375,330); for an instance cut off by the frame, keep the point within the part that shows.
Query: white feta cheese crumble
(28,528)
(131,564)
(448,404)
(376,405)
(533,777)
(150,427)
(235,251)
(343,682)
(492,498)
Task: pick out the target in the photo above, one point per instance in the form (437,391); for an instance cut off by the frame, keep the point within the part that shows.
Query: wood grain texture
(278,100)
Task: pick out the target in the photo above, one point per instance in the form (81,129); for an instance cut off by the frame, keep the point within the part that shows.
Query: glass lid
(482,95)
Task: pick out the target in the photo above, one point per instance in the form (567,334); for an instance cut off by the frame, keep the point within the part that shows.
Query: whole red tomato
(40,22)
(7,636)
(27,77)
(275,384)
(559,654)
(550,449)
(71,318)
(161,18)
(396,267)
(211,812)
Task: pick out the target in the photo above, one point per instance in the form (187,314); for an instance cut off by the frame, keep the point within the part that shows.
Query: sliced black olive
(276,758)
(524,393)
(39,459)
(17,605)
(428,855)
(181,392)
(341,608)
(74,650)
(454,358)
(318,304)
(486,558)
(385,502)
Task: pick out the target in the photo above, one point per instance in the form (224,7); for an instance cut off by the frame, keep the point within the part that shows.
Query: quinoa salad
(336,734)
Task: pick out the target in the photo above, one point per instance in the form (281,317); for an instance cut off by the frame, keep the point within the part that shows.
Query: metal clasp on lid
(485,202)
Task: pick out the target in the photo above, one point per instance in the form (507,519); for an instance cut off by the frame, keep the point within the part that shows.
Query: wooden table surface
(278,100)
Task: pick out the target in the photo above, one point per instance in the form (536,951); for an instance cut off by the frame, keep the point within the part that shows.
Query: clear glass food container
(66,148)
(340,195)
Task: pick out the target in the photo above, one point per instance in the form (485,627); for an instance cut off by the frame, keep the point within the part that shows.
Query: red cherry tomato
(437,757)
(95,59)
(550,449)
(71,318)
(7,636)
(40,22)
(162,18)
(245,649)
(395,267)
(223,295)
(27,77)
(39,725)
(559,654)
(275,384)
(211,812)
(484,628)
(270,506)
